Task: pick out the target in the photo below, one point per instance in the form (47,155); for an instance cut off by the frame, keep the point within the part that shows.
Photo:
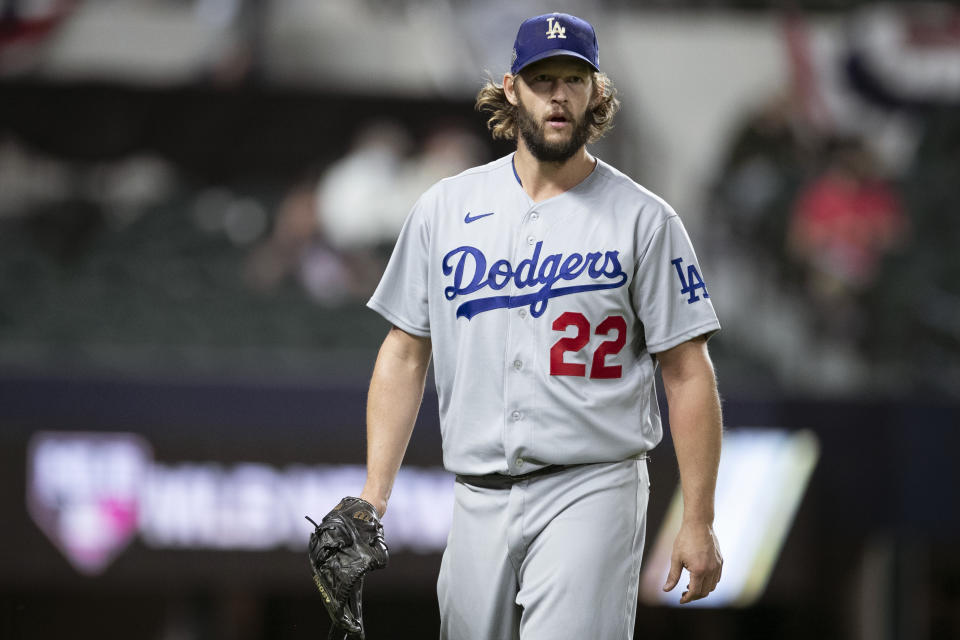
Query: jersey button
(531,241)
(523,313)
(516,415)
(517,364)
(519,461)
(534,215)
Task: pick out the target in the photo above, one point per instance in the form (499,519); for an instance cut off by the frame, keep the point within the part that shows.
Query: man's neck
(543,180)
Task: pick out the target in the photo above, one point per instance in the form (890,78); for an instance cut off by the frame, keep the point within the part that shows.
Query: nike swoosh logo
(468,219)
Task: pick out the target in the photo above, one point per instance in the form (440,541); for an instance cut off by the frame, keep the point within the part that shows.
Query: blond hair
(503,115)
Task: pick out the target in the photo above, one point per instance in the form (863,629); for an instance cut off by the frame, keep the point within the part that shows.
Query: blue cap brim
(555,52)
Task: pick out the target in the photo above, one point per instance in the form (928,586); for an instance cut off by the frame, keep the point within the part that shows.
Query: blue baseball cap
(555,34)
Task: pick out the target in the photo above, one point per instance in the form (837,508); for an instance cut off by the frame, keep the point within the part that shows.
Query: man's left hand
(696,549)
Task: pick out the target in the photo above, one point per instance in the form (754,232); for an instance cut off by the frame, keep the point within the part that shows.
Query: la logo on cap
(554,30)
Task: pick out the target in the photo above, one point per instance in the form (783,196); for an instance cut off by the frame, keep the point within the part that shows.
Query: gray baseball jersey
(544,317)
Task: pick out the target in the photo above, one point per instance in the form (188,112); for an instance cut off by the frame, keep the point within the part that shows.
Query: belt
(504,481)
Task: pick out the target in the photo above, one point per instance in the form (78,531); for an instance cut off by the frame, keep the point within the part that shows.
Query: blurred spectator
(296,248)
(34,184)
(844,222)
(334,234)
(764,167)
(805,212)
(364,197)
(356,198)
(917,311)
(447,151)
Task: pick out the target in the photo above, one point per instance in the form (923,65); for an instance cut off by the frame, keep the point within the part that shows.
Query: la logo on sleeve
(690,283)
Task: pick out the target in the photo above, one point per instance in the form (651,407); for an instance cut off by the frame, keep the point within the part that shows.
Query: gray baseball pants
(554,557)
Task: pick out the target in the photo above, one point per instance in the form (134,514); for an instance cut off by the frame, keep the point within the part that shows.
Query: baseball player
(548,287)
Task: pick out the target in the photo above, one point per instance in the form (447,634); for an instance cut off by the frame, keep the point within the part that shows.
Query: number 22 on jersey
(599,369)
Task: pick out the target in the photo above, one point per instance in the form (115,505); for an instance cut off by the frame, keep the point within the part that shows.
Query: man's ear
(509,88)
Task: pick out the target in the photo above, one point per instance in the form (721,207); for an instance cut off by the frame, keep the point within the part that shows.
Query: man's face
(553,97)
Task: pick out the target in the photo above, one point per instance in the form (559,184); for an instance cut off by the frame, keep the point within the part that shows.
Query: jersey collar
(583,183)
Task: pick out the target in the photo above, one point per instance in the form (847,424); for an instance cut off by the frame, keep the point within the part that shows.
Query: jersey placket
(519,357)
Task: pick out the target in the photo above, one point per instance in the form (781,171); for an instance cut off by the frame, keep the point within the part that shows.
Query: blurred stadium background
(198,196)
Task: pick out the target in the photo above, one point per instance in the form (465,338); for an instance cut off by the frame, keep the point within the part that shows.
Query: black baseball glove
(344,547)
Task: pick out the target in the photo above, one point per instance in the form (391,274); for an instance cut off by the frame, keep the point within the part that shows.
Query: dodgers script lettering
(468,266)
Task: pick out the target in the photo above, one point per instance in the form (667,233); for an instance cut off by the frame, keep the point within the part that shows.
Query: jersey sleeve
(401,297)
(670,296)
